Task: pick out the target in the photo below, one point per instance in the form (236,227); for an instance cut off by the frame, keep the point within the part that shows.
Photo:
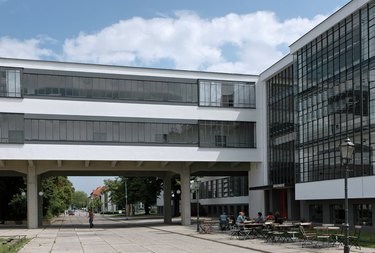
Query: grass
(12,246)
(367,239)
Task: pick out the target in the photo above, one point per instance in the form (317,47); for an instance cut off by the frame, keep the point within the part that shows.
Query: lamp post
(346,149)
(195,186)
(126,197)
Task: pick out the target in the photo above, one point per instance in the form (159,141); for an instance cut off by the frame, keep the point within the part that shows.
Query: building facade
(318,95)
(61,118)
(280,130)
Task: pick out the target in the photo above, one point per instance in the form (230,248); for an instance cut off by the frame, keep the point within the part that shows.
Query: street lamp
(195,186)
(126,197)
(346,149)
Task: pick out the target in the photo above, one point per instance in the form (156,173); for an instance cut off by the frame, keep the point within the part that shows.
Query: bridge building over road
(59,118)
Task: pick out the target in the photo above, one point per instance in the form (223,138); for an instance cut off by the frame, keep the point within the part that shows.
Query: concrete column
(32,198)
(167,210)
(185,197)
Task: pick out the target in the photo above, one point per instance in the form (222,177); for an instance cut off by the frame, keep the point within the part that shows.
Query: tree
(79,199)
(95,204)
(140,189)
(12,203)
(57,195)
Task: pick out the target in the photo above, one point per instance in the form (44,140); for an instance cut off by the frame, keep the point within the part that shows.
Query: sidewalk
(71,234)
(256,244)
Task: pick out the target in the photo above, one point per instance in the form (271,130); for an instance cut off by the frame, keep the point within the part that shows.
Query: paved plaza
(72,234)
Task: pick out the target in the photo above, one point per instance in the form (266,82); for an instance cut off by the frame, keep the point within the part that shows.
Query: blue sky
(244,36)
(240,36)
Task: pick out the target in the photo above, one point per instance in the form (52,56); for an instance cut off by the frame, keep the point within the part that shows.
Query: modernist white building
(318,95)
(59,118)
(281,129)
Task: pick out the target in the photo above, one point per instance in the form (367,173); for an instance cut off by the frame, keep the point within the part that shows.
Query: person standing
(91,218)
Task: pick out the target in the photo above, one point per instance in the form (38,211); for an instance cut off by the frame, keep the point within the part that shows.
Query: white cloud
(191,42)
(233,43)
(26,49)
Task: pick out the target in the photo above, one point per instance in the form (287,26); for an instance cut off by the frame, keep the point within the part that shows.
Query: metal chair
(354,239)
(308,239)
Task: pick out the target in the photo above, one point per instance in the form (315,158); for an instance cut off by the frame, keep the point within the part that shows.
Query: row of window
(234,186)
(211,93)
(108,88)
(362,213)
(15,129)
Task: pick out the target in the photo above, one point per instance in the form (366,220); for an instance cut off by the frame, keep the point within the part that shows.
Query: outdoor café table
(253,227)
(305,224)
(287,228)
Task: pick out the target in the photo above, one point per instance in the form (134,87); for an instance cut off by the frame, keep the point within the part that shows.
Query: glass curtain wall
(15,128)
(281,113)
(126,88)
(335,100)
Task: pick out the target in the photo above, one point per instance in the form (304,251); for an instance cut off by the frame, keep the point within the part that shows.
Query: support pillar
(32,198)
(185,197)
(167,200)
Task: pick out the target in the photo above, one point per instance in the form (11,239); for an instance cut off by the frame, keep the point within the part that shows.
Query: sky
(234,36)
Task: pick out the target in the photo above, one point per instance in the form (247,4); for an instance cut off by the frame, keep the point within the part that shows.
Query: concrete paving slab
(71,234)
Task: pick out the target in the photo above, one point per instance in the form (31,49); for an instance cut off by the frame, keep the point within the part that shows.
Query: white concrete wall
(125,153)
(359,187)
(256,197)
(129,110)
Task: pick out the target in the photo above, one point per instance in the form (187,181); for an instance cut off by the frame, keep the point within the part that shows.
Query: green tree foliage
(12,204)
(79,199)
(95,204)
(18,207)
(140,189)
(57,195)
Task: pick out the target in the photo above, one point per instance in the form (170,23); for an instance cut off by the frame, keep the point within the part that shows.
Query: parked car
(71,212)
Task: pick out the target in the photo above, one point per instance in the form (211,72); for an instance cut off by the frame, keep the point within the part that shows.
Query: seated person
(278,218)
(223,219)
(241,218)
(259,219)
(270,216)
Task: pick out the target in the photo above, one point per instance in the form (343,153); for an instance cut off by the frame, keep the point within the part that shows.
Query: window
(316,213)
(110,87)
(10,82)
(226,134)
(363,214)
(337,214)
(11,128)
(220,140)
(226,94)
